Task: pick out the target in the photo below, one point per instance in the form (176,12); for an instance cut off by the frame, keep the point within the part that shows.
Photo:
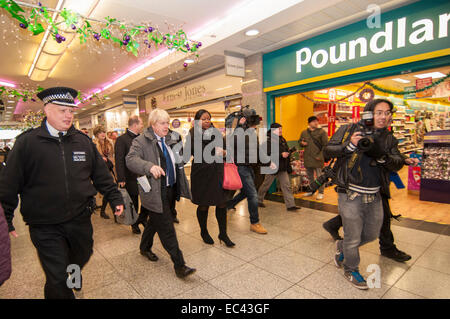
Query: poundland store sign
(412,33)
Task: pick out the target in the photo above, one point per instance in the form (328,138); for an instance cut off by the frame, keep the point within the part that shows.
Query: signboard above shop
(203,89)
(408,34)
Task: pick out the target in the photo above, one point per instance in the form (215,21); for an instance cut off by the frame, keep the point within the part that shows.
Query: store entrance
(416,114)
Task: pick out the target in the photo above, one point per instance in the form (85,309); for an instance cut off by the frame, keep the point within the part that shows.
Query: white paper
(145,184)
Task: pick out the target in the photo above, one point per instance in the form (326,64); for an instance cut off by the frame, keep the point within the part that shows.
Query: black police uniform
(56,178)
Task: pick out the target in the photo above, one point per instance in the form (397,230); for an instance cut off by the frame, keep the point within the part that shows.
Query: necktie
(169,166)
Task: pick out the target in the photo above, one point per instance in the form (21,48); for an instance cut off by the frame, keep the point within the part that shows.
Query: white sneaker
(319,196)
(308,194)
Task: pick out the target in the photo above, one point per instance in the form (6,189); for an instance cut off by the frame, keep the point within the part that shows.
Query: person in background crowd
(282,172)
(113,135)
(106,149)
(151,155)
(313,140)
(246,171)
(5,249)
(386,238)
(57,171)
(207,178)
(85,131)
(126,178)
(362,177)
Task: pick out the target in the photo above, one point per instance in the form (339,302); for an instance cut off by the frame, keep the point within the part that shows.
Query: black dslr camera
(329,172)
(365,126)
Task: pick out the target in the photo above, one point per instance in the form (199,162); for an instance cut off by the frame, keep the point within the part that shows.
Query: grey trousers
(362,224)
(285,184)
(310,173)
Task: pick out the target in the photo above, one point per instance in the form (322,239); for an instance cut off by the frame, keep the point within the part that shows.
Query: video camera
(252,118)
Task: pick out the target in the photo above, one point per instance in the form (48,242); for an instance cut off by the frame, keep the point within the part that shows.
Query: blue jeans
(248,191)
(362,224)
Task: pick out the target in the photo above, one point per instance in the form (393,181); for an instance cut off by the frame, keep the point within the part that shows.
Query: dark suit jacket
(122,147)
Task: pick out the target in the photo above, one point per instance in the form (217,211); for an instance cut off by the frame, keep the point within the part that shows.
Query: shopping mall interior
(287,60)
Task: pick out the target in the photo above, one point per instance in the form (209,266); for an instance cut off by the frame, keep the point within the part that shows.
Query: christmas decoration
(32,119)
(25,95)
(39,19)
(366,95)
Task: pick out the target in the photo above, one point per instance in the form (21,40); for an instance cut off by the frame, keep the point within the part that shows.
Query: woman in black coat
(207,178)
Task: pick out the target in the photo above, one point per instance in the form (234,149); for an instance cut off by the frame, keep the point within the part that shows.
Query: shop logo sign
(380,42)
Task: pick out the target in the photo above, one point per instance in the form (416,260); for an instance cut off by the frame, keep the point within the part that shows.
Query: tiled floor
(294,260)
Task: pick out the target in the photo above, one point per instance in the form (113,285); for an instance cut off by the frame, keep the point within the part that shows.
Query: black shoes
(175,220)
(150,255)
(261,205)
(207,238)
(396,255)
(184,271)
(135,229)
(103,215)
(226,240)
(333,232)
(294,208)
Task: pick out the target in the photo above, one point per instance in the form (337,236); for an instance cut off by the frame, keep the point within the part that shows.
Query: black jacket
(284,163)
(246,148)
(206,178)
(56,179)
(121,149)
(337,148)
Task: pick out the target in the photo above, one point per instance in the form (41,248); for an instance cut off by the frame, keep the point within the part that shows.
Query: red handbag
(231,179)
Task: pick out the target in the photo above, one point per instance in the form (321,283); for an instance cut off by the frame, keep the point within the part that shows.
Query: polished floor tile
(250,282)
(293,261)
(425,282)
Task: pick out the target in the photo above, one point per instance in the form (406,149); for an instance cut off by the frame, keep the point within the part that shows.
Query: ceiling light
(150,78)
(188,61)
(252,32)
(107,98)
(400,80)
(125,90)
(434,75)
(8,84)
(11,101)
(49,51)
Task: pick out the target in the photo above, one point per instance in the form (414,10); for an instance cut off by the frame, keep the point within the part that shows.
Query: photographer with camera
(366,153)
(313,140)
(282,172)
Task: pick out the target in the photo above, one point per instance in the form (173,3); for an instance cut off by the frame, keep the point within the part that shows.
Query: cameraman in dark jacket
(362,175)
(274,135)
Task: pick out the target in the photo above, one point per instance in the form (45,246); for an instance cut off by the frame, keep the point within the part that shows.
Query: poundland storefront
(406,59)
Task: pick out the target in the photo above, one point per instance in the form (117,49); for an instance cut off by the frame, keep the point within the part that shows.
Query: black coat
(206,178)
(122,147)
(284,163)
(337,148)
(56,179)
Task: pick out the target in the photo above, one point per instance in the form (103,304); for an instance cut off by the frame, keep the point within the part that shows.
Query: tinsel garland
(25,95)
(39,19)
(378,88)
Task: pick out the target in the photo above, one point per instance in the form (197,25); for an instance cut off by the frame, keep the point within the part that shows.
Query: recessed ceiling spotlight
(125,90)
(107,98)
(188,61)
(150,78)
(11,101)
(251,33)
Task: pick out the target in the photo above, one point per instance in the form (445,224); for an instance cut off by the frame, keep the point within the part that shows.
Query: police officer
(56,170)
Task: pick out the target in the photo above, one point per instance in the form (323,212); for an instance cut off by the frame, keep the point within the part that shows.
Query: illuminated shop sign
(412,33)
